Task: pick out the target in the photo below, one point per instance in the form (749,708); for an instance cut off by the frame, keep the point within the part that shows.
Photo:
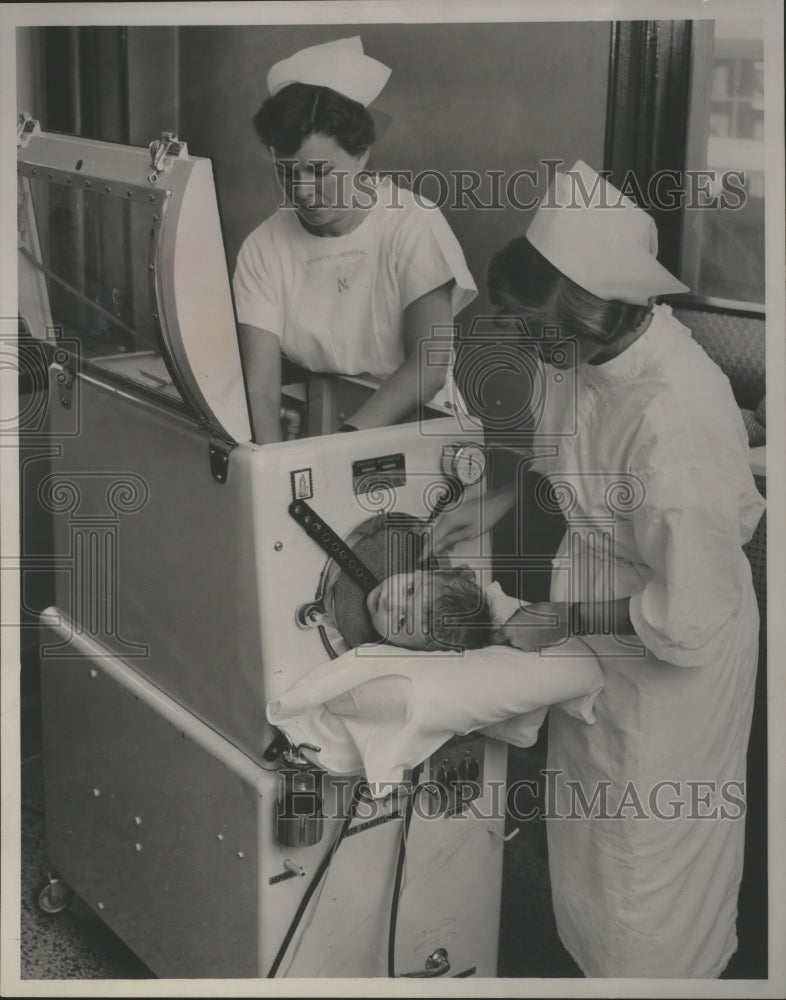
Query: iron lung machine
(190,591)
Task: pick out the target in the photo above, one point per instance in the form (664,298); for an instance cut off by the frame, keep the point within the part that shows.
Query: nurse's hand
(455,526)
(546,623)
(471,518)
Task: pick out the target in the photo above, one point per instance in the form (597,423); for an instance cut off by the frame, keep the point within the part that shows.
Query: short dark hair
(544,294)
(299,110)
(459,614)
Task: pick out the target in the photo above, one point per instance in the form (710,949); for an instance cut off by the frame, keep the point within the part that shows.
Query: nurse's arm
(604,617)
(547,623)
(400,393)
(261,351)
(471,517)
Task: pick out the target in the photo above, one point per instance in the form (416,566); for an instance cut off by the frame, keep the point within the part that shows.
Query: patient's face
(399,607)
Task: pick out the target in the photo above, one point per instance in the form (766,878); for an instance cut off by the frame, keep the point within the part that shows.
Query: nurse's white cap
(341,65)
(600,239)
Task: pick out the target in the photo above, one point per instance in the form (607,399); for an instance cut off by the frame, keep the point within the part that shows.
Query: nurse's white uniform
(336,303)
(653,475)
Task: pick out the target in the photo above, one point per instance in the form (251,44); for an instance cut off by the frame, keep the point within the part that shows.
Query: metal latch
(437,964)
(65,385)
(299,815)
(26,126)
(219,460)
(162,152)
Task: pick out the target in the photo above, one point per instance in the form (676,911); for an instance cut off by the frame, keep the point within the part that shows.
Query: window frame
(647,129)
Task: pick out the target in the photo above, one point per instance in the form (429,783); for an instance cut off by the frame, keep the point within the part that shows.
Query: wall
(475,96)
(461,96)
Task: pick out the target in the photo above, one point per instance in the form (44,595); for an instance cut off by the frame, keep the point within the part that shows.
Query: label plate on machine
(385,470)
(302,484)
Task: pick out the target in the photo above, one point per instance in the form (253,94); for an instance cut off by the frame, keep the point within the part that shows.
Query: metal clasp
(162,152)
(65,385)
(26,126)
(295,758)
(437,964)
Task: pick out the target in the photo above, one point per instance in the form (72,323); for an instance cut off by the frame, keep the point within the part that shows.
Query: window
(686,99)
(723,251)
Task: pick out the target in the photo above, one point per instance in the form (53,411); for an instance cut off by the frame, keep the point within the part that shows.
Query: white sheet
(381,710)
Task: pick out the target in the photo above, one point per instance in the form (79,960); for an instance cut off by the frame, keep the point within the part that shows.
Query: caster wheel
(53,896)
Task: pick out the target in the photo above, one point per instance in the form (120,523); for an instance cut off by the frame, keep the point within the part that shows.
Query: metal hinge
(26,126)
(219,460)
(162,152)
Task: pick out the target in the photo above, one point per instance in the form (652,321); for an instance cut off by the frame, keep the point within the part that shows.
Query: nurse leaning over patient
(646,842)
(354,273)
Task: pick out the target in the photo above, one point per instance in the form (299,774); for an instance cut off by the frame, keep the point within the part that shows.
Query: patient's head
(431,609)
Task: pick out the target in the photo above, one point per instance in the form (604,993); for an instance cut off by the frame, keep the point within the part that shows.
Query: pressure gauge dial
(464,460)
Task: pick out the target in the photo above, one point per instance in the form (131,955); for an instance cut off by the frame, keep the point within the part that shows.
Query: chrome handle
(437,964)
(502,837)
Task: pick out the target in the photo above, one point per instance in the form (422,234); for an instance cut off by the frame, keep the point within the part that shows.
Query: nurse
(354,273)
(649,462)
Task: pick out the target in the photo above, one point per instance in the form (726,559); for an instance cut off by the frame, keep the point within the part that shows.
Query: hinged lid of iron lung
(121,255)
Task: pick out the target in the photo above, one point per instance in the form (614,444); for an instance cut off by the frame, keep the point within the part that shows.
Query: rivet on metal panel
(108,188)
(88,183)
(100,906)
(96,792)
(93,672)
(278,546)
(129,194)
(137,847)
(151,198)
(240,854)
(220,836)
(138,820)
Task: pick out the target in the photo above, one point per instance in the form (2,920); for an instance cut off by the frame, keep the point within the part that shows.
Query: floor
(76,945)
